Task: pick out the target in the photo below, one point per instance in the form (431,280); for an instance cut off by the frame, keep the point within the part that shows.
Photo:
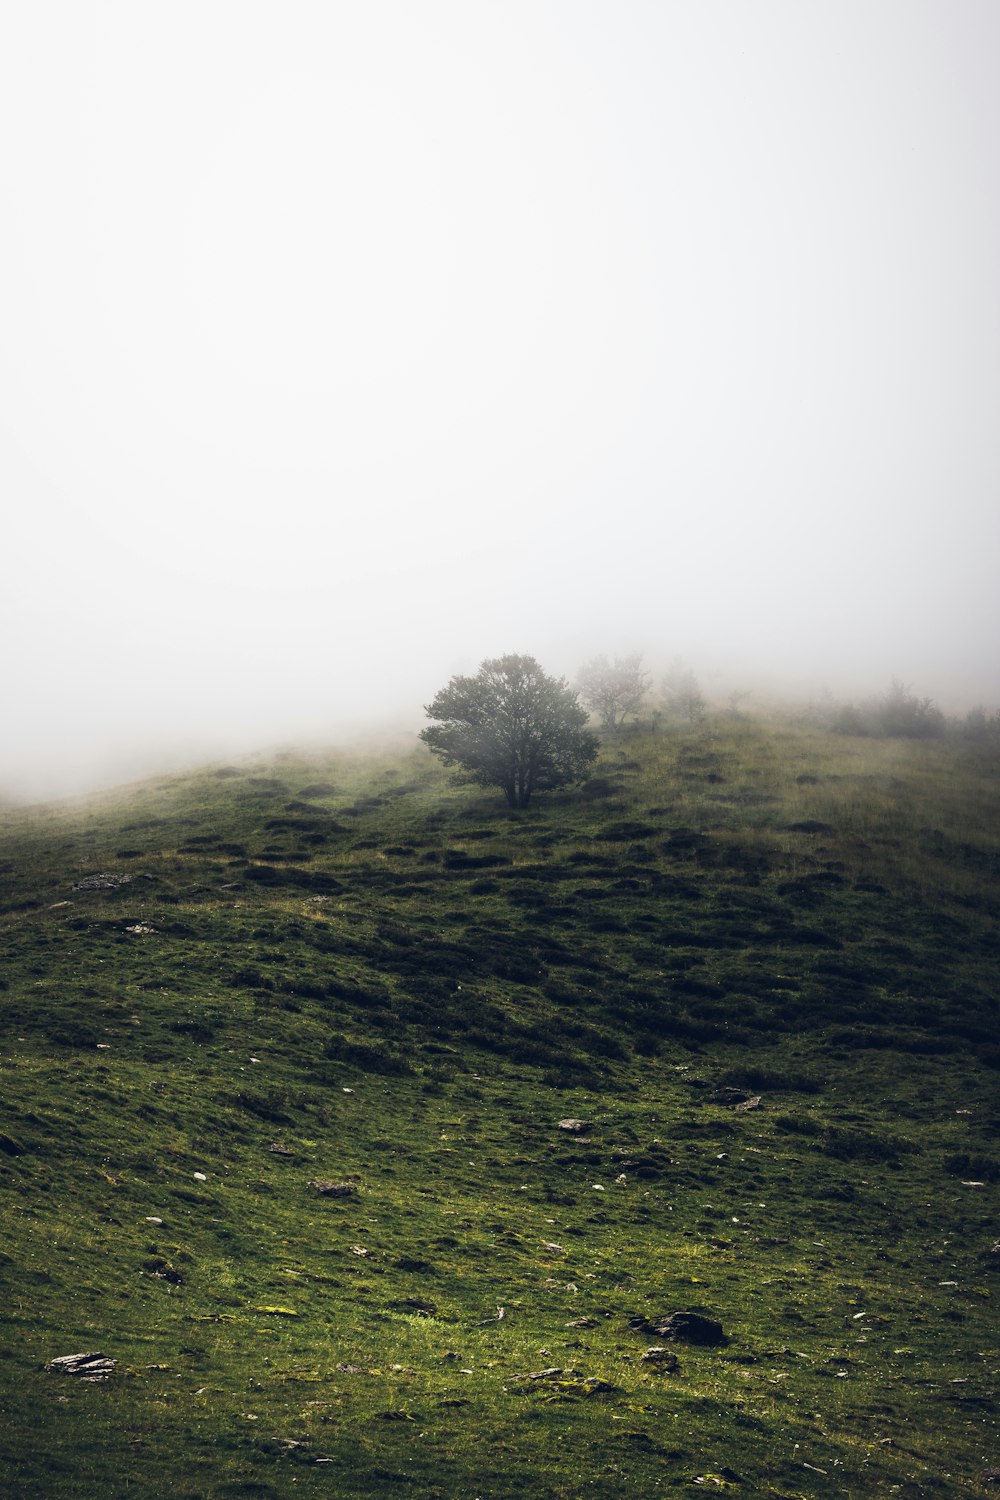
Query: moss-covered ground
(758,964)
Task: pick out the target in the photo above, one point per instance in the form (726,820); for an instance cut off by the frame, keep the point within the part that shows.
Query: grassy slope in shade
(352,971)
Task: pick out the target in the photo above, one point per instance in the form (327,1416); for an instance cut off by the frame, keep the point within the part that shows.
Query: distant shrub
(897,713)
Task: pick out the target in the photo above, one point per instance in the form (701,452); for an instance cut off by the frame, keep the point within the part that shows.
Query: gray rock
(333,1189)
(661,1359)
(686,1327)
(89,1366)
(691,1328)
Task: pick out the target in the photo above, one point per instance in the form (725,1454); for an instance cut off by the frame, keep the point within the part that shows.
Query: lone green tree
(511,726)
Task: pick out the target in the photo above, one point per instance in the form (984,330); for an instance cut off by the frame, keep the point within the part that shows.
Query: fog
(344,345)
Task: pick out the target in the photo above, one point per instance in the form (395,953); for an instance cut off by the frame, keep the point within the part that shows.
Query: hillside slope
(374,1133)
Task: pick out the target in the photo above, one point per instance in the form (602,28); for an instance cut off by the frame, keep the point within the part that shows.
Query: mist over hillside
(131,733)
(415,336)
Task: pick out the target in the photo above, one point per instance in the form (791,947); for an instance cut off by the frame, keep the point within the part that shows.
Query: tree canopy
(511,726)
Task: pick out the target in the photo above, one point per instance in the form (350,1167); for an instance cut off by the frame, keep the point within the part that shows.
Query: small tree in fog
(511,726)
(981,727)
(684,696)
(901,712)
(613,690)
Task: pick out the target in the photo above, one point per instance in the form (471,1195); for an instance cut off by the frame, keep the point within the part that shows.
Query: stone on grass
(559,1382)
(575,1127)
(691,1328)
(332,1189)
(661,1359)
(685,1327)
(88,1366)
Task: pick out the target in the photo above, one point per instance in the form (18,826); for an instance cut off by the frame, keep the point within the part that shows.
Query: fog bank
(348,345)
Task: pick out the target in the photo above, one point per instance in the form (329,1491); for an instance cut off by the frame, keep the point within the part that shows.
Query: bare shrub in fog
(613,690)
(511,726)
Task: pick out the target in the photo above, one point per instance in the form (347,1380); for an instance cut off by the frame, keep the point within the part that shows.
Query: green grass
(405,988)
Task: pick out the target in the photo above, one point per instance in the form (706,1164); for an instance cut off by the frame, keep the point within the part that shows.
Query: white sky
(343,344)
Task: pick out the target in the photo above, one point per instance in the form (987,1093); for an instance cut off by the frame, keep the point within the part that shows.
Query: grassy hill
(285,1050)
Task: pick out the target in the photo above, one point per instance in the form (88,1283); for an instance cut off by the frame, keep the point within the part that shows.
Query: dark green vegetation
(511,726)
(349,972)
